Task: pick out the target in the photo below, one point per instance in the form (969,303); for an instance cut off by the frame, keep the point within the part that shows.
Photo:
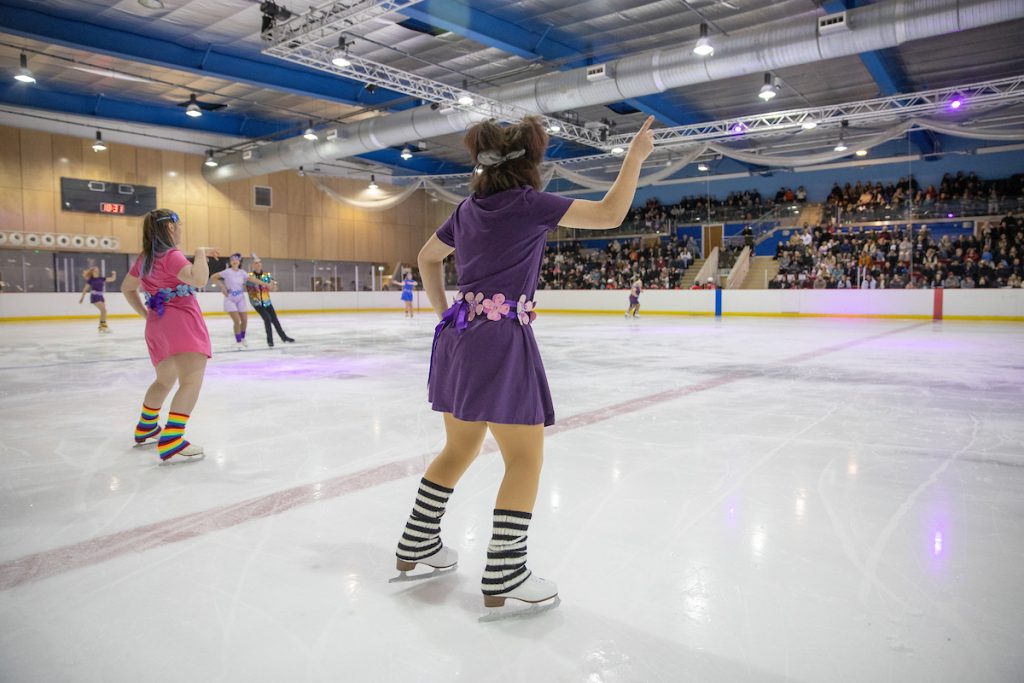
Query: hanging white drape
(381,200)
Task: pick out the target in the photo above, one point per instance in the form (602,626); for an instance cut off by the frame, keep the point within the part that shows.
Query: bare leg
(236,321)
(522,448)
(462,444)
(166,375)
(189,368)
(103,310)
(243,321)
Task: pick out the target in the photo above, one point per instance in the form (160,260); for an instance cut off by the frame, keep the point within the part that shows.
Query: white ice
(735,500)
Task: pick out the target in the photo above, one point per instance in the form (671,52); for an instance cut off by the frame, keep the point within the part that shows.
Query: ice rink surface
(737,500)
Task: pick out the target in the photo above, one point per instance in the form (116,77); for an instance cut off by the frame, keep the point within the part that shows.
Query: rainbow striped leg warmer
(172,440)
(148,426)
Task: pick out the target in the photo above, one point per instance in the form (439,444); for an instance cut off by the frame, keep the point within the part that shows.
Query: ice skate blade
(532,610)
(175,460)
(145,444)
(404,576)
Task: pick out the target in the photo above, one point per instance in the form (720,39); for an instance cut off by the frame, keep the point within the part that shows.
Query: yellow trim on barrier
(560,311)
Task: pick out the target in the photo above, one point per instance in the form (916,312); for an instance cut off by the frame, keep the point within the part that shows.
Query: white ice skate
(444,561)
(245,343)
(190,453)
(540,594)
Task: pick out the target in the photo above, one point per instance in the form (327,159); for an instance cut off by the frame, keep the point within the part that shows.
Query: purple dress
(96,284)
(490,370)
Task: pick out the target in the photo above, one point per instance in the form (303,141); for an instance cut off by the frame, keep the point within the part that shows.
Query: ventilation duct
(791,42)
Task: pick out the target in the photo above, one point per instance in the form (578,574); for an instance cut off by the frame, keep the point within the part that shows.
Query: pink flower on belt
(525,311)
(496,308)
(475,302)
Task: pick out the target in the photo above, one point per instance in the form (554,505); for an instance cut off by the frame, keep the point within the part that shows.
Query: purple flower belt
(471,305)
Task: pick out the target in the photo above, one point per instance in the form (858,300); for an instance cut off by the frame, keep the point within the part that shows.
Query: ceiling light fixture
(554,128)
(809,124)
(302,172)
(340,58)
(768,89)
(310,134)
(861,152)
(210,161)
(406,153)
(956,102)
(99,145)
(702,167)
(841,146)
(617,150)
(373,182)
(193,109)
(152,4)
(703,48)
(24,74)
(465,99)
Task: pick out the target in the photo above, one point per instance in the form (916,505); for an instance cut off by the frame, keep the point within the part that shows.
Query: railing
(900,211)
(666,224)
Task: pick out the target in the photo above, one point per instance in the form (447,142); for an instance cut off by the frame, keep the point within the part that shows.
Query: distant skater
(634,299)
(94,285)
(408,284)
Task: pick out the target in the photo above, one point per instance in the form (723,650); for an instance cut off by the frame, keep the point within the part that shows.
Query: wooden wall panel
(219,228)
(36,161)
(10,159)
(38,207)
(239,237)
(304,223)
(173,179)
(12,212)
(278,235)
(259,234)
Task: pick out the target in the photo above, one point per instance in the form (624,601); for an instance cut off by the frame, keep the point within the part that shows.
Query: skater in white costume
(233,281)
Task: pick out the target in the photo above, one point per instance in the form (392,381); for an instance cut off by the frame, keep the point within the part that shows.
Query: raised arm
(430,261)
(197,274)
(113,276)
(611,211)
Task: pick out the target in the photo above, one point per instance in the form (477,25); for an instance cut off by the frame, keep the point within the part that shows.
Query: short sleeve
(446,233)
(548,208)
(174,261)
(136,270)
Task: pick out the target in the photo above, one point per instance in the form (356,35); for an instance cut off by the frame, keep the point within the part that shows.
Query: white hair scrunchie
(490,157)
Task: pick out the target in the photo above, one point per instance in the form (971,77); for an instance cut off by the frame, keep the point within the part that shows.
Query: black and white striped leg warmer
(422,535)
(506,553)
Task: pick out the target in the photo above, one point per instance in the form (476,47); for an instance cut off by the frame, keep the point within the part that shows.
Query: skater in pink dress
(176,334)
(486,370)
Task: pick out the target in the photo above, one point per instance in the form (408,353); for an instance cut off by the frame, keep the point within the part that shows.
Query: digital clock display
(108,207)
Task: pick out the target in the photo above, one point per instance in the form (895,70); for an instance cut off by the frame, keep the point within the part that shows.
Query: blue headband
(172,217)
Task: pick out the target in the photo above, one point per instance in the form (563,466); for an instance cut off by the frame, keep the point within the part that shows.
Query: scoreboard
(103,196)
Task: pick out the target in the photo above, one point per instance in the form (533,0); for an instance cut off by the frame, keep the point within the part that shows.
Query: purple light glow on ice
(937,544)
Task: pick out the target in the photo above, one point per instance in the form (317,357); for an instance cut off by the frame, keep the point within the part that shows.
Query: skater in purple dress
(634,299)
(486,370)
(94,285)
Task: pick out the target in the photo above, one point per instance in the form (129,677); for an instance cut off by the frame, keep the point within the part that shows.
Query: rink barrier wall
(915,304)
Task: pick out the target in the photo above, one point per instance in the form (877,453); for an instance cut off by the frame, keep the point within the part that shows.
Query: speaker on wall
(16,239)
(48,240)
(92,241)
(3,238)
(78,241)
(63,240)
(32,239)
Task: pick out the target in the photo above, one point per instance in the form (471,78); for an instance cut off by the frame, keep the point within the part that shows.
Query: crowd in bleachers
(653,215)
(884,258)
(658,264)
(962,194)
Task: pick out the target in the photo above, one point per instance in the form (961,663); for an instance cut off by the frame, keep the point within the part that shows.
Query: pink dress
(181,328)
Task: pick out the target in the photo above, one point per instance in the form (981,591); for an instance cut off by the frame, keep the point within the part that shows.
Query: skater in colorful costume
(176,334)
(259,297)
(486,371)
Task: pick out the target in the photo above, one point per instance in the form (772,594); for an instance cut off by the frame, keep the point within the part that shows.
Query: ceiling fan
(192,104)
